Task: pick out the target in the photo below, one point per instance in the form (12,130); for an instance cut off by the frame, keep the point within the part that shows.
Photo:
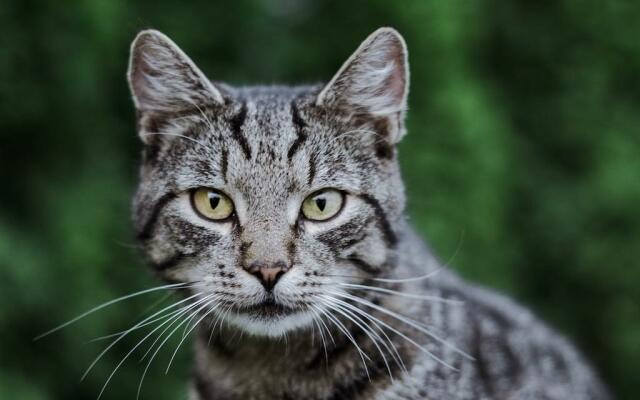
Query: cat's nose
(267,273)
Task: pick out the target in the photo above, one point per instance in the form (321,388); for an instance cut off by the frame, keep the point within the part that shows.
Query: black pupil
(214,200)
(321,202)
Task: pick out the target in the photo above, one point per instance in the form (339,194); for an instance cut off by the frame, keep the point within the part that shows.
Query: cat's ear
(163,79)
(373,82)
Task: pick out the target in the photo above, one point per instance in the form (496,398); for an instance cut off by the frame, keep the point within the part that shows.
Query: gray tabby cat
(281,211)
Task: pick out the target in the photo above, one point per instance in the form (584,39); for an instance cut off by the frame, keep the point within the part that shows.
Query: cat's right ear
(374,82)
(163,79)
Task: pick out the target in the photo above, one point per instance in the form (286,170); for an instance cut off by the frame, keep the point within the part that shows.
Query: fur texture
(341,323)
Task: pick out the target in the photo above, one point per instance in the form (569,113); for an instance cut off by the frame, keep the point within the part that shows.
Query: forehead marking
(312,168)
(299,124)
(224,164)
(236,128)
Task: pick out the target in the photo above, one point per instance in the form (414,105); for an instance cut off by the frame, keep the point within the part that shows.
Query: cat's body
(299,303)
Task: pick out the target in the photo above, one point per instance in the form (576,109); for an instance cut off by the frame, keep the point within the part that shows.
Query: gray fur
(268,148)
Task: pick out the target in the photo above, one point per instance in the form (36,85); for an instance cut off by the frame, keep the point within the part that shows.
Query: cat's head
(266,198)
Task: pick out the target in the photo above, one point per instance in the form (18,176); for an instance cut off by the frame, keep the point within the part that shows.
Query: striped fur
(268,148)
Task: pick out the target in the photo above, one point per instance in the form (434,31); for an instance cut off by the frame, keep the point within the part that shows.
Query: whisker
(345,331)
(183,311)
(184,337)
(333,341)
(111,335)
(402,294)
(426,276)
(431,273)
(316,316)
(144,134)
(129,353)
(213,325)
(160,318)
(106,304)
(350,316)
(168,336)
(113,343)
(393,350)
(391,280)
(406,320)
(397,332)
(205,117)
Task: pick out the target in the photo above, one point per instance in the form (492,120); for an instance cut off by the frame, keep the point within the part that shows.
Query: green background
(522,160)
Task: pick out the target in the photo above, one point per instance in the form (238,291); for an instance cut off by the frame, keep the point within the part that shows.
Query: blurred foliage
(522,160)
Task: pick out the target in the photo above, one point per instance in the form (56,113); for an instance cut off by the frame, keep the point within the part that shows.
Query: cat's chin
(273,326)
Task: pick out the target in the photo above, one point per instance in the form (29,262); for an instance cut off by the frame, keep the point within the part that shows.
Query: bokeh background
(522,161)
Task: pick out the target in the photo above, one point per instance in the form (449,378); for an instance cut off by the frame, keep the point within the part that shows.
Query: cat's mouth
(270,317)
(266,309)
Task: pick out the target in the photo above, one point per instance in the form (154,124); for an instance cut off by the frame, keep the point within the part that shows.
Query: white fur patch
(274,327)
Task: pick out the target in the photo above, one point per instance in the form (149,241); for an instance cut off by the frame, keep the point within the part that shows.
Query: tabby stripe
(147,230)
(363,265)
(353,241)
(481,362)
(312,169)
(342,237)
(236,128)
(244,248)
(171,262)
(291,252)
(383,221)
(224,164)
(299,124)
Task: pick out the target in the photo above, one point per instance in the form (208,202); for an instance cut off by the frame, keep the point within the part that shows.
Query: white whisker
(392,350)
(107,304)
(412,279)
(402,294)
(206,302)
(111,335)
(125,333)
(397,332)
(316,316)
(345,331)
(364,327)
(206,314)
(144,134)
(130,352)
(184,310)
(415,324)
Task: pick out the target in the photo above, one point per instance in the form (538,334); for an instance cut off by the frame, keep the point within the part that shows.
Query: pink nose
(268,275)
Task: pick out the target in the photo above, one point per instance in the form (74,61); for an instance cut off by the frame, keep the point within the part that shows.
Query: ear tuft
(374,80)
(162,78)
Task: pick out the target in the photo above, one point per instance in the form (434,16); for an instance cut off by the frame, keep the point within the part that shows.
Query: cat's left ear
(163,78)
(373,82)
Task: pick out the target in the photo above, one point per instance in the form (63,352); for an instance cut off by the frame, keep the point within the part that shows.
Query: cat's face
(265,198)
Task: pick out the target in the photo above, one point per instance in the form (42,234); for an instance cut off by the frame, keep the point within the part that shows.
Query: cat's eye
(212,204)
(323,204)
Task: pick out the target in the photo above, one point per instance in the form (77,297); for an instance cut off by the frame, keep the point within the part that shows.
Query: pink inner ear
(374,80)
(141,70)
(396,82)
(163,78)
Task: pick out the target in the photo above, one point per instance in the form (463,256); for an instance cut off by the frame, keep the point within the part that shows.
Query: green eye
(323,204)
(211,204)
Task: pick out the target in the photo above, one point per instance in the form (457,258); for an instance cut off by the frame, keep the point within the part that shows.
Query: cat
(279,213)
